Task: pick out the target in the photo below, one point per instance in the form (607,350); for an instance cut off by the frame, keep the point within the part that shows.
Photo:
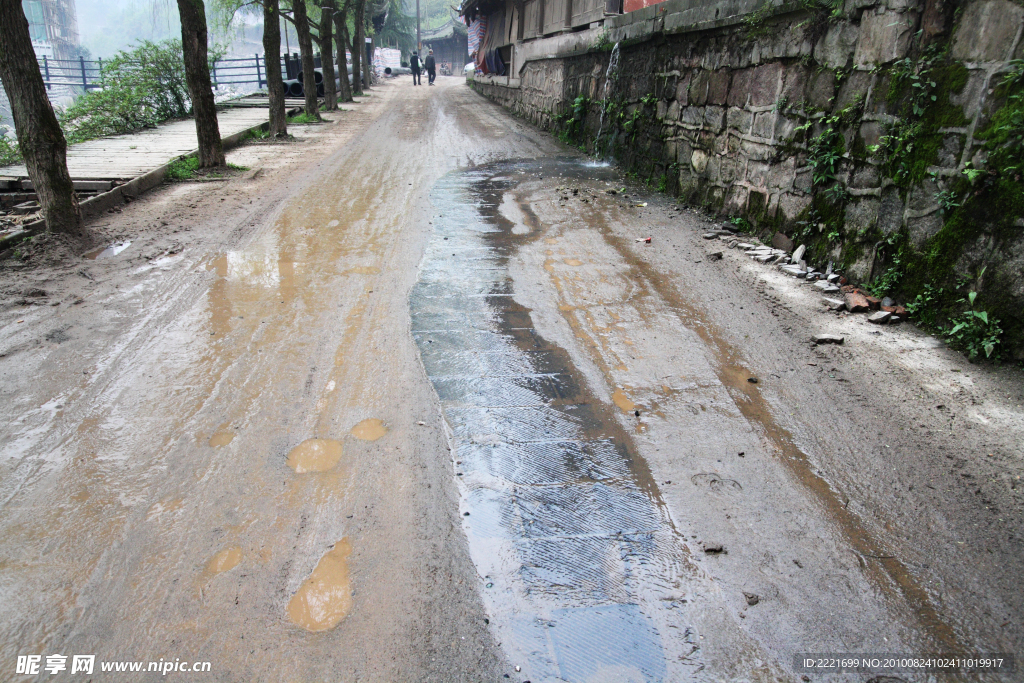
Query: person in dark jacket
(414,66)
(431,67)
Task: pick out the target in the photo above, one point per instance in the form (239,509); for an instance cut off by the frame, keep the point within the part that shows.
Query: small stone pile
(791,261)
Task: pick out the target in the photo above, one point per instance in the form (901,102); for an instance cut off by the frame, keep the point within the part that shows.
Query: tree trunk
(341,24)
(367,64)
(327,54)
(272,60)
(360,44)
(306,53)
(40,137)
(357,51)
(194,41)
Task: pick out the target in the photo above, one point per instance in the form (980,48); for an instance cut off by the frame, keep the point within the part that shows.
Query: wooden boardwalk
(123,157)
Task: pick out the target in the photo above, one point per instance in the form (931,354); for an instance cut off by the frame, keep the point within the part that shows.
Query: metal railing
(88,74)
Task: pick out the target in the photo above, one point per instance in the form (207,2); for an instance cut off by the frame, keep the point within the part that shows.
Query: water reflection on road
(581,566)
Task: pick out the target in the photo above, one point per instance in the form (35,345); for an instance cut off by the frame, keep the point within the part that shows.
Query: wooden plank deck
(122,157)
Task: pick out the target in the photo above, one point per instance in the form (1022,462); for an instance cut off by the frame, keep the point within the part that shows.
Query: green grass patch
(258,134)
(183,169)
(303,118)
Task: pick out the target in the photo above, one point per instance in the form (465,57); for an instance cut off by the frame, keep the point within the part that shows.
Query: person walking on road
(414,65)
(431,67)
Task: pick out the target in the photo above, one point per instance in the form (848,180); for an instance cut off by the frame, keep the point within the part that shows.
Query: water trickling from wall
(609,75)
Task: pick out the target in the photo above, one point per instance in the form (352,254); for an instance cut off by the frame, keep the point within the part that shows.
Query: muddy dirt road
(409,401)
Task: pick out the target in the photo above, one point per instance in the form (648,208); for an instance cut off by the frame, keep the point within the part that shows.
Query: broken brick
(857,302)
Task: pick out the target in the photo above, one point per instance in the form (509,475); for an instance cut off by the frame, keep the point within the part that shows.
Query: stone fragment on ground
(857,302)
(799,253)
(895,310)
(826,287)
(827,339)
(782,242)
(879,318)
(835,304)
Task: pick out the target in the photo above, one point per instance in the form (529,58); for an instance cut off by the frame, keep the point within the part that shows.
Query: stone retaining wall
(772,113)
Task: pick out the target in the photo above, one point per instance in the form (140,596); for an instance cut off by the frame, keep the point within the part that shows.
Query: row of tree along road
(134,98)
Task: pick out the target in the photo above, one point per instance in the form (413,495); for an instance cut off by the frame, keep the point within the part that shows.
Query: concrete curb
(93,206)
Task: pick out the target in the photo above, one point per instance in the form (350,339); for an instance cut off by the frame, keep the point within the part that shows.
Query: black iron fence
(87,74)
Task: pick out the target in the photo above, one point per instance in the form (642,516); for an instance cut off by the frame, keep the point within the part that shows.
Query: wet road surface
(585,573)
(430,414)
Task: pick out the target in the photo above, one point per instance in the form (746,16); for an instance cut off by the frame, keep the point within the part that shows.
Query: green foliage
(258,134)
(919,93)
(574,122)
(756,23)
(183,168)
(895,149)
(917,76)
(742,223)
(142,87)
(974,332)
(398,28)
(824,11)
(948,200)
(926,307)
(889,281)
(972,174)
(1005,135)
(10,153)
(303,118)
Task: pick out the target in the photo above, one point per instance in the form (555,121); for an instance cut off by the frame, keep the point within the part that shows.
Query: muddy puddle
(106,252)
(325,597)
(370,429)
(315,455)
(580,566)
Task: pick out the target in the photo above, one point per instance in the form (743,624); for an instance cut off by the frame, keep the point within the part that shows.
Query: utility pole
(419,46)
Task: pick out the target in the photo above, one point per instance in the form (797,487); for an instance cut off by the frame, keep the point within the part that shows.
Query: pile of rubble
(791,261)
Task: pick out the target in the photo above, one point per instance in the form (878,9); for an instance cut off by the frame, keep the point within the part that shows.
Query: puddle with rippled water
(106,252)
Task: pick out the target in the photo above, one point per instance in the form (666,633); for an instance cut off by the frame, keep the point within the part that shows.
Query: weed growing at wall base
(974,332)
